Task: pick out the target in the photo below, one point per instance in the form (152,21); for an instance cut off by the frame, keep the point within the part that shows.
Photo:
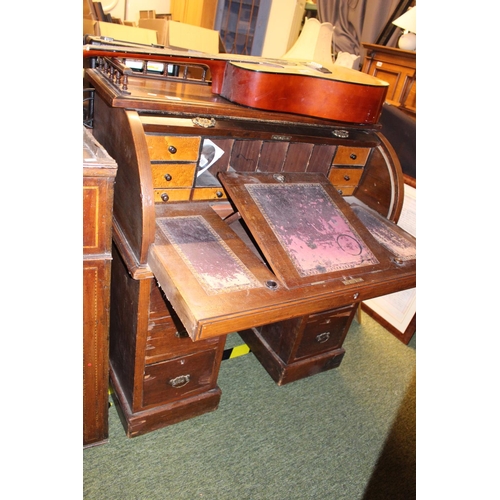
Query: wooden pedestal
(159,375)
(300,347)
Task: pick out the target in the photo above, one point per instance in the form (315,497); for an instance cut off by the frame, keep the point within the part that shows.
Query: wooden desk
(99,171)
(171,307)
(398,68)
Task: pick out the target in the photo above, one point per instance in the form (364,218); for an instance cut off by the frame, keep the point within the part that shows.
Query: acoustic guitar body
(342,95)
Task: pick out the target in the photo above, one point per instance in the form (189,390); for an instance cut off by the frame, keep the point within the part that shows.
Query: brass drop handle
(172,150)
(179,381)
(164,196)
(323,337)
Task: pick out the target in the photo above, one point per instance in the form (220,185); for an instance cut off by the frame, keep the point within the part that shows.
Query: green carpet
(344,434)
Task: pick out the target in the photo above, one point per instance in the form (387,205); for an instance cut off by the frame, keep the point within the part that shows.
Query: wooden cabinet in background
(99,171)
(195,12)
(398,68)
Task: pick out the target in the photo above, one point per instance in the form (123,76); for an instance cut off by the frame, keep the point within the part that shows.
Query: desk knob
(164,196)
(172,150)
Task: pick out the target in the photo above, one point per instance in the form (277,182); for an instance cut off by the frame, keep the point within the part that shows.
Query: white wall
(283,27)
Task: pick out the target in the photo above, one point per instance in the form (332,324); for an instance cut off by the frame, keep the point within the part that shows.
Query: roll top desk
(225,219)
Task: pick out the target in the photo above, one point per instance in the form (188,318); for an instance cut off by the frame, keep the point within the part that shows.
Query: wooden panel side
(96,275)
(122,135)
(382,186)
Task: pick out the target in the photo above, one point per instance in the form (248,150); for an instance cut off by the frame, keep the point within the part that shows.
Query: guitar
(281,85)
(341,94)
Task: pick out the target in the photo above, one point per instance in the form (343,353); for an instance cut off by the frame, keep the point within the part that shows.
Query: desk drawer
(173,147)
(171,195)
(324,332)
(179,377)
(208,193)
(351,156)
(346,180)
(168,175)
(345,176)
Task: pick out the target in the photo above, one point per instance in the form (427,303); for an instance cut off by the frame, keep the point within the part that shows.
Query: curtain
(356,21)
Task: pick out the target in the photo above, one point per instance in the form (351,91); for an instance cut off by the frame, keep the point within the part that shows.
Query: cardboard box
(181,36)
(126,33)
(147,14)
(88,26)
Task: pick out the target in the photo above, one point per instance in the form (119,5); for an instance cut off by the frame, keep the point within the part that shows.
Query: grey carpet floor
(344,434)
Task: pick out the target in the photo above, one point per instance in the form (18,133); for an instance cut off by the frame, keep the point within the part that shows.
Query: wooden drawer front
(179,377)
(167,336)
(173,148)
(168,175)
(209,193)
(170,195)
(165,339)
(351,156)
(324,331)
(97,209)
(345,176)
(346,180)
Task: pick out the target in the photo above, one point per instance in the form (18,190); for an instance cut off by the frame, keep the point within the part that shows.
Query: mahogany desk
(199,250)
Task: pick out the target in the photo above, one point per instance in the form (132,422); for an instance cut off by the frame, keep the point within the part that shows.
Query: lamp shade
(408,21)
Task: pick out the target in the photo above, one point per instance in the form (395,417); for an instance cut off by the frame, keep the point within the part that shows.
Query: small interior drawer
(209,193)
(345,176)
(352,156)
(173,147)
(167,175)
(170,195)
(179,377)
